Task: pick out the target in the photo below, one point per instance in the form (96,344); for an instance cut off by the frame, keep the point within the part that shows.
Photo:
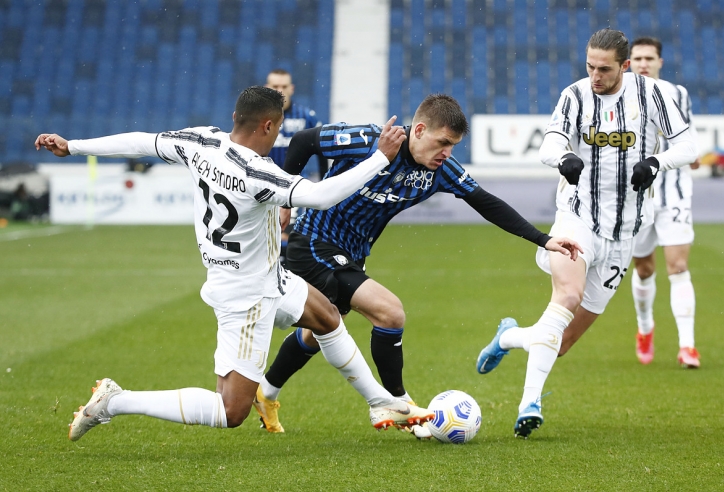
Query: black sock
(386,345)
(292,356)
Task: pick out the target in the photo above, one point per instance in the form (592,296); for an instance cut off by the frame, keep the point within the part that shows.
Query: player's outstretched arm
(333,190)
(135,144)
(564,246)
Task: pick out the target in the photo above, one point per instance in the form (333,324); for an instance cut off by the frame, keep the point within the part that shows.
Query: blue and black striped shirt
(357,222)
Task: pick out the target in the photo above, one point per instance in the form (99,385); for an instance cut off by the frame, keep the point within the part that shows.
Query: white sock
(269,391)
(683,305)
(545,341)
(515,338)
(644,292)
(189,406)
(341,351)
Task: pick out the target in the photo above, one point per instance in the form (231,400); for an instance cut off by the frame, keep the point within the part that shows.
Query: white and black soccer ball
(457,417)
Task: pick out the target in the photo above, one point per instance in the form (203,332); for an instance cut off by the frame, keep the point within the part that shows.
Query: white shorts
(606,260)
(672,227)
(243,338)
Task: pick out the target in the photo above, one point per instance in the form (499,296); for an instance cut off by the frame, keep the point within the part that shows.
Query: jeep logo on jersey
(342,139)
(340,259)
(614,139)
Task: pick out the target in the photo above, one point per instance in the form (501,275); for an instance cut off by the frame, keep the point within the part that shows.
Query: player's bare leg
(569,281)
(582,321)
(342,352)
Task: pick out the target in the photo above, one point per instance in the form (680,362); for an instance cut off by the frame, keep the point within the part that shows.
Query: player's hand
(644,173)
(285,215)
(54,143)
(695,164)
(570,166)
(391,139)
(564,246)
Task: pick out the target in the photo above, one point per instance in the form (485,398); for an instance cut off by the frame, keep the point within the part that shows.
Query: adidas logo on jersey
(614,139)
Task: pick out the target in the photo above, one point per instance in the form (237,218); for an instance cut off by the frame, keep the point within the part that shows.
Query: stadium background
(86,68)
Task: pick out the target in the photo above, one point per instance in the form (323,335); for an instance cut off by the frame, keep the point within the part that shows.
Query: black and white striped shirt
(611,133)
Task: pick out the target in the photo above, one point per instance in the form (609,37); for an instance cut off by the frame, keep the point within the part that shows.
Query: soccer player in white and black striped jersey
(602,137)
(237,196)
(672,230)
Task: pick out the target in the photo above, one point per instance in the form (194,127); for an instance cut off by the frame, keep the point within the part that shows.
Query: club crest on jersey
(340,259)
(398,177)
(608,116)
(342,139)
(632,109)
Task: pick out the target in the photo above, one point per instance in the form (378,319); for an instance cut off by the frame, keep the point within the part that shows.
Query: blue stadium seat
(437,71)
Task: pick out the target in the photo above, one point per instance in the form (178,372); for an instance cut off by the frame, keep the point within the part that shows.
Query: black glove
(644,173)
(570,166)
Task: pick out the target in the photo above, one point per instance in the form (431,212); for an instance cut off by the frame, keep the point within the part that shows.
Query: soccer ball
(457,417)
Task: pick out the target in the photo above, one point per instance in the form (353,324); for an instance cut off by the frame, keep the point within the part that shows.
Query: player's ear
(625,65)
(419,129)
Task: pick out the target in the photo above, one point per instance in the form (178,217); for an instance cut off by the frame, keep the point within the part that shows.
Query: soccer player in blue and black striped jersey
(328,249)
(296,118)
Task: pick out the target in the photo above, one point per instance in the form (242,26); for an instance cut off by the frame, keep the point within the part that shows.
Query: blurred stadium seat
(92,67)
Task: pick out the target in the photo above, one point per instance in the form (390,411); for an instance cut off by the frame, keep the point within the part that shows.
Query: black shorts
(328,268)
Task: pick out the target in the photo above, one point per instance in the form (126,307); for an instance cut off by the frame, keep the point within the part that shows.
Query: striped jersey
(237,195)
(296,118)
(611,133)
(355,223)
(675,184)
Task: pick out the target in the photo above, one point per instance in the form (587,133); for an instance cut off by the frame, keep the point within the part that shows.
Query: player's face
(282,83)
(645,60)
(429,147)
(605,72)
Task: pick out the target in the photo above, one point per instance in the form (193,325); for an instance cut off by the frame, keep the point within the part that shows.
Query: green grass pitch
(80,304)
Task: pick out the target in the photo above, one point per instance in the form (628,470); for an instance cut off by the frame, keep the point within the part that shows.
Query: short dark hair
(610,39)
(440,111)
(258,103)
(648,41)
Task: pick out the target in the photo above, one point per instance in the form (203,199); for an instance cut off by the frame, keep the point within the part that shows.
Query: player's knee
(329,319)
(570,299)
(391,317)
(235,415)
(677,266)
(645,270)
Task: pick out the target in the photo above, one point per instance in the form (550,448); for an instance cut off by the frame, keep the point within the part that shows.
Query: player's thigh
(606,273)
(569,225)
(243,339)
(326,267)
(378,304)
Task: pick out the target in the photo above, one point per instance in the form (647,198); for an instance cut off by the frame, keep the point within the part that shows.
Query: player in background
(296,118)
(237,192)
(672,229)
(602,137)
(328,249)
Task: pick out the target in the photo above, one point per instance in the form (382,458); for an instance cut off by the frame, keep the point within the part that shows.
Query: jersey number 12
(216,237)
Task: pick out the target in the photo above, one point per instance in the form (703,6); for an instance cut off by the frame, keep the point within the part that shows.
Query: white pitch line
(29,233)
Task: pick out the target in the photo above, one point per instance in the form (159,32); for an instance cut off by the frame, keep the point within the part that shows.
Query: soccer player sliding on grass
(237,194)
(603,138)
